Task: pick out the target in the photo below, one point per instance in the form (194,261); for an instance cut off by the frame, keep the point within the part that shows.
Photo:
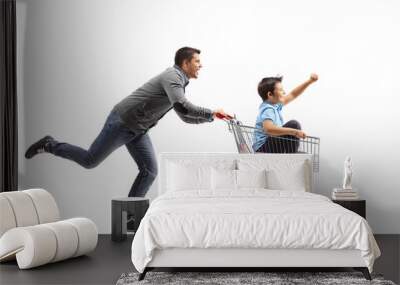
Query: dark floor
(111,259)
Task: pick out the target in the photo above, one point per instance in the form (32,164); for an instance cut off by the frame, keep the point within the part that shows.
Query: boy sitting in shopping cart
(272,135)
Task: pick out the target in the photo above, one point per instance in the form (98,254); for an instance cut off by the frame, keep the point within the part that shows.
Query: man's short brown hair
(185,53)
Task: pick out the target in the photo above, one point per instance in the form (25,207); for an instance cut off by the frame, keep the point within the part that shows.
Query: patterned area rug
(243,278)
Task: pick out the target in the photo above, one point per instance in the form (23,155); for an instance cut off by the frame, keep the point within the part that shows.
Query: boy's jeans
(282,144)
(113,135)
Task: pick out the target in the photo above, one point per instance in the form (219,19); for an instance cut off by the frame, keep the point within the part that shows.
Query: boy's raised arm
(299,89)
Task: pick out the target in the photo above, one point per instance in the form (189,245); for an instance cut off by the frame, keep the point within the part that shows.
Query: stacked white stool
(31,230)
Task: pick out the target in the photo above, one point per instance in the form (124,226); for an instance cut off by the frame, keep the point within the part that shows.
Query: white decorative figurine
(348,172)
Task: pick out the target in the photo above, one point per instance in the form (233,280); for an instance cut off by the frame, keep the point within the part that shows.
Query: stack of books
(344,194)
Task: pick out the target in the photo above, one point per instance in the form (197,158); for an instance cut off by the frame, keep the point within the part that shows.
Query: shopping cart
(244,138)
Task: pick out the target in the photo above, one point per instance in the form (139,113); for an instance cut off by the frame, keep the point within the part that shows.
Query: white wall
(78,58)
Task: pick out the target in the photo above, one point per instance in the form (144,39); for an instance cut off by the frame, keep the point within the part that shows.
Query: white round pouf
(87,233)
(31,231)
(67,240)
(33,246)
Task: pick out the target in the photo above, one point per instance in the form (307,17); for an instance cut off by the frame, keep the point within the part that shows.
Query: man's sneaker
(38,147)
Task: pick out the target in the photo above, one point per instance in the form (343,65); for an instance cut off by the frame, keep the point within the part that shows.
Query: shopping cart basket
(244,138)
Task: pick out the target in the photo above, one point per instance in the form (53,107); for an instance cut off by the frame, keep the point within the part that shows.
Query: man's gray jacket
(145,106)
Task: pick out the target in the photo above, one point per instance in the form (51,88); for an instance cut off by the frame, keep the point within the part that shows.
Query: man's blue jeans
(113,135)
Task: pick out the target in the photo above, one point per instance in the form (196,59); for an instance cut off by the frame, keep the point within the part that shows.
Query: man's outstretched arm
(191,113)
(219,113)
(181,112)
(296,92)
(187,111)
(173,86)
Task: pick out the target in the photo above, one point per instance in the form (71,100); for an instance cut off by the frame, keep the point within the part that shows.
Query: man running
(130,120)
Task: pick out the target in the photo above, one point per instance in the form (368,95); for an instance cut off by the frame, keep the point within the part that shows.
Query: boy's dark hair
(266,85)
(185,53)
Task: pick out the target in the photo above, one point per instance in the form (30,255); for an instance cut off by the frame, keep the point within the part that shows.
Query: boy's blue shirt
(267,111)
